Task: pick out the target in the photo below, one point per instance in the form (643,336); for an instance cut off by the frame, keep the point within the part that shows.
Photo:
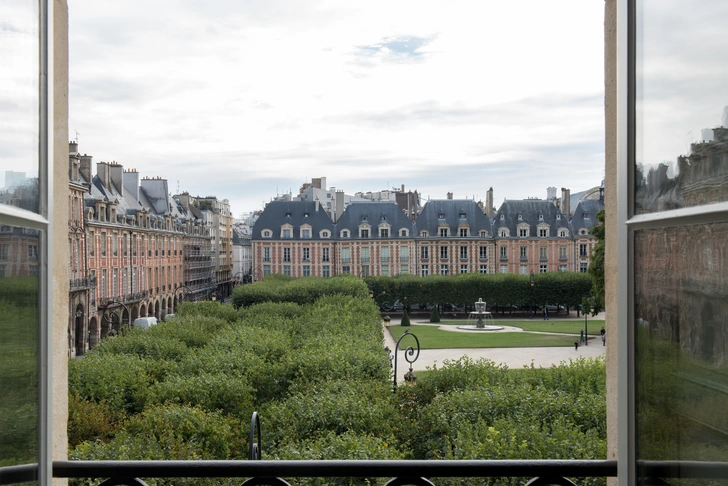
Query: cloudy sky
(247,99)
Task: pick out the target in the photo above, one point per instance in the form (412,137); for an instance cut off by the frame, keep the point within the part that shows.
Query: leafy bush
(305,290)
(90,421)
(435,315)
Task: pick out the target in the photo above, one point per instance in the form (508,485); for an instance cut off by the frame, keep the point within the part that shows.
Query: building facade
(447,237)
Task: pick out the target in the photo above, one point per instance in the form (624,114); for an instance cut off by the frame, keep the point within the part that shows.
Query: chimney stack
(566,202)
(489,203)
(449,195)
(85,168)
(339,201)
(116,174)
(102,171)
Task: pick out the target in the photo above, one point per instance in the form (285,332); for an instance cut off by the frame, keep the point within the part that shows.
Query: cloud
(402,49)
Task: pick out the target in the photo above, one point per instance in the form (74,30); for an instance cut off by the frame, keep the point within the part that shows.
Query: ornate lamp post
(113,317)
(409,352)
(532,282)
(180,295)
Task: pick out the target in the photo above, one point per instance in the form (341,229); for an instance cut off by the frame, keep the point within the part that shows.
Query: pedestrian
(545,313)
(576,345)
(604,336)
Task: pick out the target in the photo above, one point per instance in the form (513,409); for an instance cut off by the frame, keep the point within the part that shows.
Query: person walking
(545,313)
(604,336)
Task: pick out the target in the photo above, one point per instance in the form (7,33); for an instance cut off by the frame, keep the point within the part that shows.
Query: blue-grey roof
(453,213)
(530,211)
(585,215)
(375,214)
(295,213)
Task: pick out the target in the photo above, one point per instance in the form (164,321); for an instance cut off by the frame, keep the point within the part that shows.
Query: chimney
(116,172)
(131,182)
(317,204)
(402,190)
(72,147)
(550,193)
(489,203)
(85,168)
(102,171)
(339,205)
(566,202)
(449,195)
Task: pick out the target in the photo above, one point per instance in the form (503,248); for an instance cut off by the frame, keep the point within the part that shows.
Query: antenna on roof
(77,134)
(177,186)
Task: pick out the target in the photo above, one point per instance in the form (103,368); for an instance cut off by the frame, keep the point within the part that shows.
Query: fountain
(481,316)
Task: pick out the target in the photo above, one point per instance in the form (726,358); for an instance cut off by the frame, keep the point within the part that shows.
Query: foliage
(88,420)
(304,290)
(435,315)
(596,266)
(405,318)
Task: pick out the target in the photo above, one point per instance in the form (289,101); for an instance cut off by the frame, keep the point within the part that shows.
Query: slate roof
(374,213)
(295,213)
(529,210)
(451,211)
(585,215)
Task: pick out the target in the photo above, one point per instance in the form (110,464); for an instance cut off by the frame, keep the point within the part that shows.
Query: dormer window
(288,215)
(345,234)
(483,233)
(502,217)
(305,215)
(384,232)
(441,216)
(403,232)
(383,218)
(503,232)
(363,232)
(558,217)
(325,234)
(424,233)
(462,215)
(364,218)
(563,233)
(520,217)
(444,232)
(540,217)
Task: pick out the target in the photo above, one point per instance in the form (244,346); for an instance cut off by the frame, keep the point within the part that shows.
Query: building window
(286,254)
(365,270)
(384,254)
(463,268)
(363,233)
(266,254)
(424,270)
(267,234)
(345,233)
(523,268)
(325,255)
(326,271)
(523,252)
(404,269)
(32,252)
(384,232)
(115,244)
(483,252)
(562,253)
(103,245)
(543,268)
(345,255)
(266,270)
(444,269)
(563,233)
(503,232)
(504,268)
(287,270)
(562,267)
(306,254)
(424,233)
(91,243)
(463,232)
(483,269)
(103,284)
(115,283)
(306,271)
(346,269)
(443,232)
(325,234)
(443,253)
(483,233)
(583,250)
(425,253)
(365,254)
(385,271)
(306,233)
(543,253)
(463,252)
(543,232)
(404,254)
(286,233)
(403,232)
(504,253)
(523,232)
(583,267)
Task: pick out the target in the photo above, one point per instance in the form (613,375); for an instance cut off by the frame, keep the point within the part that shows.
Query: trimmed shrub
(435,315)
(405,318)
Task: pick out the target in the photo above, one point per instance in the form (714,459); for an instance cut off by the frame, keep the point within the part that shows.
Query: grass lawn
(432,338)
(569,327)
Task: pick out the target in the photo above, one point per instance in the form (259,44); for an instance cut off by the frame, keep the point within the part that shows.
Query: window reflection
(681,105)
(18,345)
(19,57)
(681,346)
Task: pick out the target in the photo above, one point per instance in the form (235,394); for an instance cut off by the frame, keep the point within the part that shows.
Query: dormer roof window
(502,217)
(462,215)
(520,217)
(441,215)
(540,217)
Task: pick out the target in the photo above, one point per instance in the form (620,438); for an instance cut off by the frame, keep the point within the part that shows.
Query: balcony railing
(82,283)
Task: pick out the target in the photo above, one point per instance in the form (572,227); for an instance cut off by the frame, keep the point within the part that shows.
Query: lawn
(431,337)
(566,326)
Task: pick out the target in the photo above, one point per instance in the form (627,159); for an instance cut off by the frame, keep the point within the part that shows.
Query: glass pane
(19,104)
(681,104)
(681,345)
(19,266)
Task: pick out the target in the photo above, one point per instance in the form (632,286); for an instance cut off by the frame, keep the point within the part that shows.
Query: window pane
(19,100)
(18,346)
(681,343)
(681,112)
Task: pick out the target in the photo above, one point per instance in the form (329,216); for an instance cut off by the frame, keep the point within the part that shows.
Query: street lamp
(409,352)
(532,282)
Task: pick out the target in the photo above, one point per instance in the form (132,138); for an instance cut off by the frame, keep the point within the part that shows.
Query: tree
(596,267)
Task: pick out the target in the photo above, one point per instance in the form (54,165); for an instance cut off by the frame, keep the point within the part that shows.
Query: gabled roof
(585,215)
(453,213)
(296,214)
(374,214)
(531,211)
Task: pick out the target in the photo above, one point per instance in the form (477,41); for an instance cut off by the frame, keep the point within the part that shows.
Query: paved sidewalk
(511,357)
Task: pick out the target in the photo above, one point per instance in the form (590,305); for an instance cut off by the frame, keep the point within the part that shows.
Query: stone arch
(170,304)
(134,313)
(164,307)
(142,310)
(93,328)
(105,327)
(125,319)
(157,311)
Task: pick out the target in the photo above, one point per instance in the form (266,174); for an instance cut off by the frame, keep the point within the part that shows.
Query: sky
(245,100)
